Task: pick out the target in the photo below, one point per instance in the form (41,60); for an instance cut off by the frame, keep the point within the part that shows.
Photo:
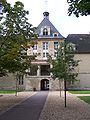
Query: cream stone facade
(38,77)
(82,43)
(83,70)
(43,80)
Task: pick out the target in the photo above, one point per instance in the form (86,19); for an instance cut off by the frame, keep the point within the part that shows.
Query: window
(55,45)
(45,45)
(20,80)
(45,31)
(55,54)
(45,54)
(35,47)
(55,34)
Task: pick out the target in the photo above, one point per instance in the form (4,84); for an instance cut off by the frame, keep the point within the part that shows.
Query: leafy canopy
(64,65)
(15,34)
(79,7)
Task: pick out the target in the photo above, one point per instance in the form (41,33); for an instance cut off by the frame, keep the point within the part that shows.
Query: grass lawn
(80,92)
(85,98)
(7,91)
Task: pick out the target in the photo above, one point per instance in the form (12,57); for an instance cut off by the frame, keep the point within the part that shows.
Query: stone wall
(83,70)
(7,82)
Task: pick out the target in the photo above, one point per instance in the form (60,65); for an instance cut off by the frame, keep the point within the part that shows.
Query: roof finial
(46,5)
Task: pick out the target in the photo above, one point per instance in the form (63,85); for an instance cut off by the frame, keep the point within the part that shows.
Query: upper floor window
(35,47)
(45,31)
(55,45)
(45,45)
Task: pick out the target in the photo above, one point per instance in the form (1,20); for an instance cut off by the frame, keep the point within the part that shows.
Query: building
(82,44)
(39,77)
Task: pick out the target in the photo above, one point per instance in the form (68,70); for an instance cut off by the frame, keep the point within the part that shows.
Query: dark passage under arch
(44,84)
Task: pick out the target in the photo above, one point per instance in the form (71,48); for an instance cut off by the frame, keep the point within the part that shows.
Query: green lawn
(80,92)
(85,98)
(7,91)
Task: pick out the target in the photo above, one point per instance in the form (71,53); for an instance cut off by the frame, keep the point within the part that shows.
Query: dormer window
(55,34)
(45,31)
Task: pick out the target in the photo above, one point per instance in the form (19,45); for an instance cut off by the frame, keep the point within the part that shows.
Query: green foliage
(65,64)
(79,7)
(15,34)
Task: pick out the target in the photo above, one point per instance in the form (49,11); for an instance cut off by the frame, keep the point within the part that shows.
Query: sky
(57,15)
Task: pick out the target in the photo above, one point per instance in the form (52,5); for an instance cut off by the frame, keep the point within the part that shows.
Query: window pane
(55,54)
(45,45)
(45,31)
(46,54)
(55,45)
(43,54)
(35,47)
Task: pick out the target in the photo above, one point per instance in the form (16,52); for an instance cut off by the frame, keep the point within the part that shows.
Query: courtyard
(52,109)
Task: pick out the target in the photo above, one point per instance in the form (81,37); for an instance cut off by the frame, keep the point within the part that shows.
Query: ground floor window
(20,80)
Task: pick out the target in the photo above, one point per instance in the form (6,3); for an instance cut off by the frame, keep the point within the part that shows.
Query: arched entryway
(44,84)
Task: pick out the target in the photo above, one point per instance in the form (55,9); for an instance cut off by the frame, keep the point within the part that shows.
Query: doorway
(44,84)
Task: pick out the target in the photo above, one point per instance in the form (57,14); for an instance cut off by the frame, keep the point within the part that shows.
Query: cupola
(46,15)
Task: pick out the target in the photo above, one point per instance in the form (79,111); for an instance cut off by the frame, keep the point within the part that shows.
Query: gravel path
(54,108)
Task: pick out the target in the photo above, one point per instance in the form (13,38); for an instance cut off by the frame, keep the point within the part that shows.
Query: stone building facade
(47,43)
(82,44)
(38,76)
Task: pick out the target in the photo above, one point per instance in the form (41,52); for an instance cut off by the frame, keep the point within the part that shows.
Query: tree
(65,64)
(15,35)
(15,32)
(79,7)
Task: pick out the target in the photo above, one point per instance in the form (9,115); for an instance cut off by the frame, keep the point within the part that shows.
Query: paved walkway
(54,108)
(34,108)
(29,109)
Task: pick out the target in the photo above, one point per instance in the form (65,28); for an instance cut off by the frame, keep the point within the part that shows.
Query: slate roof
(46,22)
(82,42)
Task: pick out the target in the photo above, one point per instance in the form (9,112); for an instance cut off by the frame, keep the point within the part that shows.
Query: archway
(44,84)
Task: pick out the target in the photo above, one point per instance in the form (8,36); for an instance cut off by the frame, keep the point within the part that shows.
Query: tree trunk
(65,90)
(16,84)
(60,87)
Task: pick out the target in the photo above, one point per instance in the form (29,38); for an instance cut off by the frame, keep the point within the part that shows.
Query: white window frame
(45,45)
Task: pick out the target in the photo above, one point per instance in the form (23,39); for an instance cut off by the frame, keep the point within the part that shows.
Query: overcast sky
(57,15)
